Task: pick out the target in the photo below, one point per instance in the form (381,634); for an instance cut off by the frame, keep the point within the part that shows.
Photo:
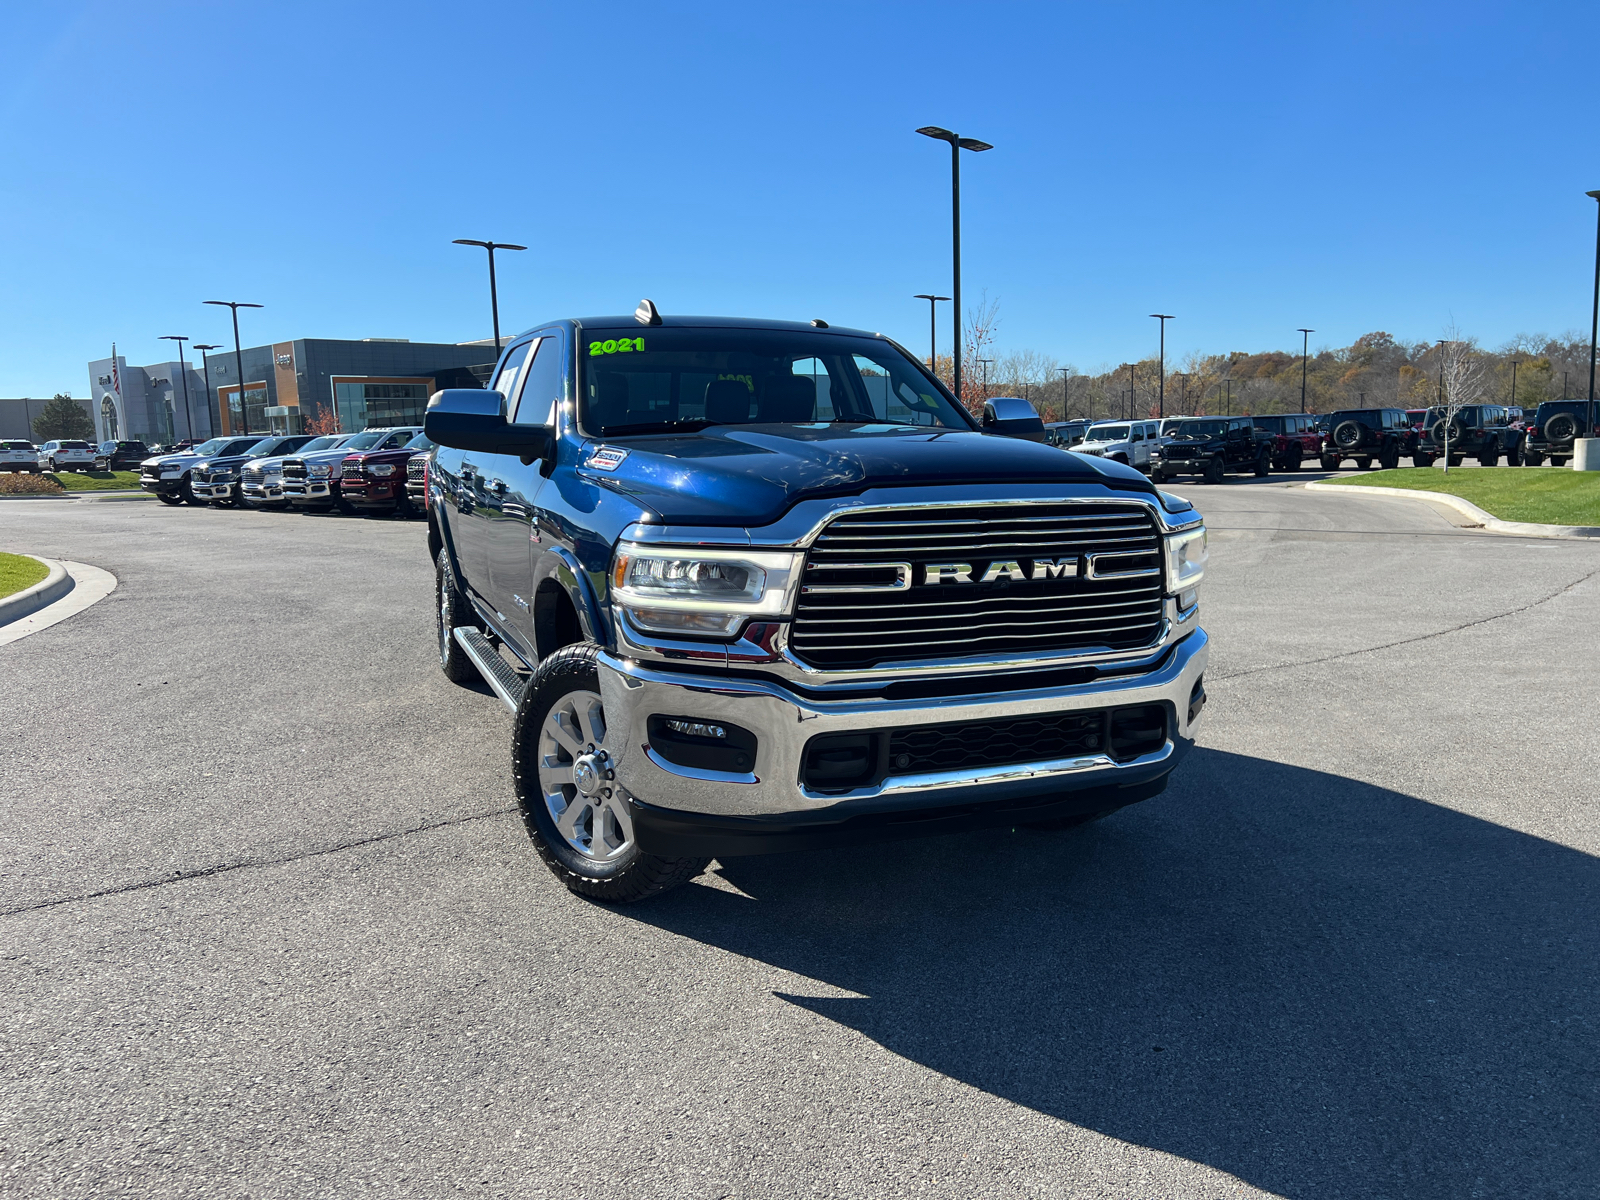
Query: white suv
(19,456)
(1125,441)
(67,456)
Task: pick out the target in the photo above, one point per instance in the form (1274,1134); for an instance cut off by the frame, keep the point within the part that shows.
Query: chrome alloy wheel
(575,779)
(445,629)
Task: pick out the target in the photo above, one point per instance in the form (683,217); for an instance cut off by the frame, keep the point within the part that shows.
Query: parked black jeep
(1483,431)
(1365,434)
(1554,427)
(1210,447)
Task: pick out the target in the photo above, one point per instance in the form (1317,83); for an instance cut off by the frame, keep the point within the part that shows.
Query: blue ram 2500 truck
(758,585)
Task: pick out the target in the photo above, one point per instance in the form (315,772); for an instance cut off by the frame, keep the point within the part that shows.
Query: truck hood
(752,474)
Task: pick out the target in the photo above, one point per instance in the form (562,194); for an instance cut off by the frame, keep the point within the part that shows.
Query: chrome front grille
(353,470)
(294,469)
(252,475)
(1103,590)
(415,466)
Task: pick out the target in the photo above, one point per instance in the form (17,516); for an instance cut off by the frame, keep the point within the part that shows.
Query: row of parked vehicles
(1212,447)
(376,472)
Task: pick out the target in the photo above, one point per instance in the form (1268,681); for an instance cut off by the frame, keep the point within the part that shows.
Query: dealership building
(287,387)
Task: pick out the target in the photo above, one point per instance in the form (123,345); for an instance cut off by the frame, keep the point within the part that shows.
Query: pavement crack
(224,868)
(1421,637)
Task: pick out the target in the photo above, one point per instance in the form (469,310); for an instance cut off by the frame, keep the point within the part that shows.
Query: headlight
(381,470)
(701,591)
(1186,560)
(318,470)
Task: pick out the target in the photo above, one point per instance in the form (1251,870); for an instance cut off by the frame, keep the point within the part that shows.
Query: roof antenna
(818,323)
(646,313)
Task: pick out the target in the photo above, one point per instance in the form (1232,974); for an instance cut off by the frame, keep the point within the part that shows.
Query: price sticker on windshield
(616,346)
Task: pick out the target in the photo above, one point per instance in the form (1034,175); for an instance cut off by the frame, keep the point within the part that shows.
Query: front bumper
(373,495)
(730,810)
(308,491)
(263,493)
(162,486)
(213,491)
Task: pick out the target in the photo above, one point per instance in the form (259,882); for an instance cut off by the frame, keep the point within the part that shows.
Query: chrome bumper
(785,722)
(261,492)
(212,491)
(312,489)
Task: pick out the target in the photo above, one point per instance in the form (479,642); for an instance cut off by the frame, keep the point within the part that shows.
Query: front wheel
(186,493)
(1364,464)
(1157,475)
(1420,459)
(1514,455)
(452,613)
(1330,463)
(1531,458)
(1389,459)
(1558,460)
(1214,471)
(168,498)
(1263,465)
(1490,457)
(579,819)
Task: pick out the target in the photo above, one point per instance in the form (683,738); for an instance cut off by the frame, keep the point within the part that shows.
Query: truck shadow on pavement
(1322,987)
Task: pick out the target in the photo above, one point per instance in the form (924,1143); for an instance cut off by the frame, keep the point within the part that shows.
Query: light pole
(1305,349)
(1514,363)
(238,354)
(933,328)
(957,145)
(1133,393)
(1161,377)
(1184,375)
(206,363)
(494,296)
(1594,320)
(183,370)
(986,362)
(1065,373)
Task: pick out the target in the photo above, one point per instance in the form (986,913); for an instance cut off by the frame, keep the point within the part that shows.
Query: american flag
(116,379)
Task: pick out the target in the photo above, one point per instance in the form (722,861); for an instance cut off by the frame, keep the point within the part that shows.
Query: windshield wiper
(687,425)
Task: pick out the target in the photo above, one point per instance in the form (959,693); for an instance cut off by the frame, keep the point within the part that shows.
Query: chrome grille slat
(858,630)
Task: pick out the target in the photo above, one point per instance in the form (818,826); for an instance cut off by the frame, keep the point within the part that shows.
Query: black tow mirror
(1013,416)
(475,419)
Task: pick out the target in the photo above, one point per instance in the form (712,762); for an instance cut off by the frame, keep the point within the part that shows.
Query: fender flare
(561,565)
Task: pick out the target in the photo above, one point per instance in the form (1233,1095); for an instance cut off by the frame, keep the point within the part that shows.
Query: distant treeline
(1373,372)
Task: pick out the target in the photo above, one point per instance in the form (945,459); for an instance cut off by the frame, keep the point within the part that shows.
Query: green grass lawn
(96,481)
(17,571)
(1546,495)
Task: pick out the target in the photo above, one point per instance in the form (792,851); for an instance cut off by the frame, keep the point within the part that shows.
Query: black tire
(1489,456)
(1364,463)
(1558,460)
(404,509)
(1532,458)
(343,505)
(186,493)
(1454,460)
(1292,461)
(1562,427)
(631,875)
(1514,454)
(169,498)
(452,612)
(1347,435)
(1390,458)
(1263,465)
(1214,471)
(1419,459)
(1330,462)
(1157,475)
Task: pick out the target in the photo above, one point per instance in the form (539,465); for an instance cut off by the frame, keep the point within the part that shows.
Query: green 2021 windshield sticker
(615,346)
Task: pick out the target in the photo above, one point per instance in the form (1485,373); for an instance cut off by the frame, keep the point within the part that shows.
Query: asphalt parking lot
(270,930)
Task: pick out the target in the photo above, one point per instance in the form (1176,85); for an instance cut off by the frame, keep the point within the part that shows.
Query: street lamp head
(933,131)
(234,304)
(1595,195)
(172,337)
(974,144)
(923,296)
(1305,330)
(469,242)
(206,346)
(1162,316)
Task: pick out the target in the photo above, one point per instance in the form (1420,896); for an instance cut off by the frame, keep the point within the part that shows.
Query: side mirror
(1013,416)
(475,419)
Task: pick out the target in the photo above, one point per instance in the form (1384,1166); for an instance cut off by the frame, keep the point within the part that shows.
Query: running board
(500,675)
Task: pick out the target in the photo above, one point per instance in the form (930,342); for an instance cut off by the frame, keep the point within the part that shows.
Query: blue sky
(1249,168)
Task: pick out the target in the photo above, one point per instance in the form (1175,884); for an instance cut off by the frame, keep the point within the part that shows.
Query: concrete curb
(90,585)
(1465,507)
(38,496)
(30,600)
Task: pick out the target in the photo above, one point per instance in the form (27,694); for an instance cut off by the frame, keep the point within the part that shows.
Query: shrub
(17,484)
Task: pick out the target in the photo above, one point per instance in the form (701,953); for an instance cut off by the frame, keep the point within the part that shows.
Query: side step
(496,671)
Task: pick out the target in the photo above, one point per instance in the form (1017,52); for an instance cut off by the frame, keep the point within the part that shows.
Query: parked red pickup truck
(374,481)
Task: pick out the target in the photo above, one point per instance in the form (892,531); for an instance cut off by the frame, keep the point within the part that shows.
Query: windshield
(326,442)
(211,447)
(1200,429)
(420,442)
(661,380)
(1106,433)
(264,446)
(364,441)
